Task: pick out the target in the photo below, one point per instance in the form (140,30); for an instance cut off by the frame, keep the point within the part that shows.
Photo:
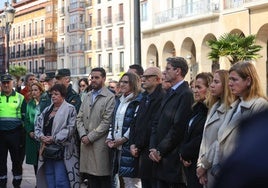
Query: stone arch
(152,56)
(168,51)
(188,51)
(207,64)
(262,63)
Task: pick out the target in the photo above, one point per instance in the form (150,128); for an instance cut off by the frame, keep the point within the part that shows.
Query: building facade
(182,28)
(32,36)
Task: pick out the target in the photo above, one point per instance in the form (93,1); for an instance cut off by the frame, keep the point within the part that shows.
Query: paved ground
(28,180)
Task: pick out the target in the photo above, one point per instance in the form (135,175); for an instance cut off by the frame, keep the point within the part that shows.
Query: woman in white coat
(221,98)
(250,99)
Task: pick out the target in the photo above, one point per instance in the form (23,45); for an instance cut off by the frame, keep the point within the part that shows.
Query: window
(121,68)
(24,31)
(99,40)
(99,18)
(110,62)
(109,17)
(19,32)
(110,42)
(14,34)
(30,30)
(99,60)
(42,26)
(144,11)
(121,36)
(35,28)
(121,12)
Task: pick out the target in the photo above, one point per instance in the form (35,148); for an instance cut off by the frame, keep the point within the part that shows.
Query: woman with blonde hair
(193,136)
(245,86)
(220,101)
(32,110)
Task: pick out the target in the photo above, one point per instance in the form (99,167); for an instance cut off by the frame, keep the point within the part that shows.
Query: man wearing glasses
(140,133)
(170,125)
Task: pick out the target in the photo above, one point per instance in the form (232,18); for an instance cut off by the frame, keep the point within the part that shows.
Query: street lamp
(6,19)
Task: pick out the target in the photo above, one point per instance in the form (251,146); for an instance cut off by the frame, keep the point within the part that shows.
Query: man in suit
(170,125)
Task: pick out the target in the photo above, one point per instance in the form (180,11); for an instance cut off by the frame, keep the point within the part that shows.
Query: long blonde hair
(226,97)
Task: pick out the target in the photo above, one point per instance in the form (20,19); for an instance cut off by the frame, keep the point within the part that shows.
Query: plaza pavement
(28,179)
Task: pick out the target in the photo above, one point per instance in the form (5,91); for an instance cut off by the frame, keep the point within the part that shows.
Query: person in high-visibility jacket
(12,111)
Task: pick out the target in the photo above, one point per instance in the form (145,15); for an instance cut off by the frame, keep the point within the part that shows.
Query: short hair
(27,76)
(138,69)
(60,88)
(246,69)
(101,70)
(179,62)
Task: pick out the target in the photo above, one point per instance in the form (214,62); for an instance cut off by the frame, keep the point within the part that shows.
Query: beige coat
(93,120)
(207,151)
(228,132)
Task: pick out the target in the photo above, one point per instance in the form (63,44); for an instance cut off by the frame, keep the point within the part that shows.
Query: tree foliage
(17,71)
(235,47)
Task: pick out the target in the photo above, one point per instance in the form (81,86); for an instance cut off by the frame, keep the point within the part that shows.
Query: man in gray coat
(93,122)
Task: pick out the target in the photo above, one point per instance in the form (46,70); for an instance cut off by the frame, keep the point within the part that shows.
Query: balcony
(228,4)
(191,10)
(88,25)
(119,18)
(41,50)
(76,48)
(61,50)
(18,54)
(75,27)
(76,5)
(119,42)
(108,44)
(108,20)
(23,53)
(29,52)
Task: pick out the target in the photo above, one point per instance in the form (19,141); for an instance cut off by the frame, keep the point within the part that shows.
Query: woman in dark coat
(124,164)
(193,135)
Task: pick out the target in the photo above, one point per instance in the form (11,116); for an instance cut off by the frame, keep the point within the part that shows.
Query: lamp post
(6,19)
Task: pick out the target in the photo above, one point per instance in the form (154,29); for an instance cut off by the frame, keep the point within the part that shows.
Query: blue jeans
(56,175)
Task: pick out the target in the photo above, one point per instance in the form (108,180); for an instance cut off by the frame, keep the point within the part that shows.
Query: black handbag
(53,151)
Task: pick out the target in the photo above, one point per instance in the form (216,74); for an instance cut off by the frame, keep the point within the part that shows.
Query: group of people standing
(151,131)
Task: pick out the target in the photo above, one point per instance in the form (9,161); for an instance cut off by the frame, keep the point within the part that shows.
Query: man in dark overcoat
(170,125)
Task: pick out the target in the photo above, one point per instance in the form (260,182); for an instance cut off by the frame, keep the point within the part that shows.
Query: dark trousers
(148,183)
(99,181)
(164,184)
(10,141)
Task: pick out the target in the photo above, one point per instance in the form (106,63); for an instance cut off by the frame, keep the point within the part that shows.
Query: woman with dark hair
(83,87)
(56,126)
(193,135)
(124,164)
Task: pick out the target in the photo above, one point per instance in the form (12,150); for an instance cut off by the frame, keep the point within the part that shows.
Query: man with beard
(93,121)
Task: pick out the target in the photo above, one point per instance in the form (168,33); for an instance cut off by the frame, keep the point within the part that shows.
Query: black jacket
(168,132)
(140,133)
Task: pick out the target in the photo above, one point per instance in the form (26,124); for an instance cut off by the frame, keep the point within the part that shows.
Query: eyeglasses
(124,82)
(148,76)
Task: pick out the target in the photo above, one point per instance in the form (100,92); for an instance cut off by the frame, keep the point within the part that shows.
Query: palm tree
(235,47)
